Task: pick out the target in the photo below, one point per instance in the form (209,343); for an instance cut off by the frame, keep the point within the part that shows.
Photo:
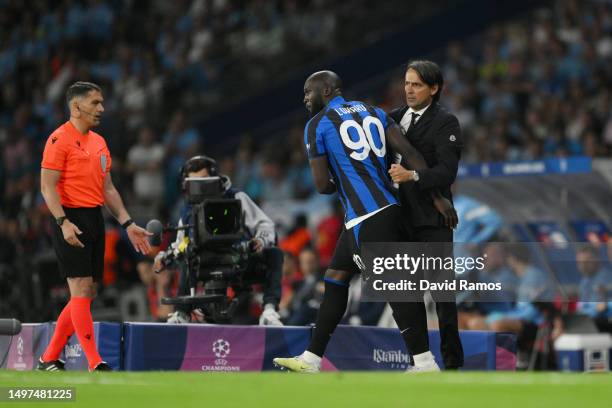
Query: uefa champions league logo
(221,348)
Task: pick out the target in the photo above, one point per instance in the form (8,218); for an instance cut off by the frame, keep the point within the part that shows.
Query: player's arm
(114,204)
(48,183)
(416,161)
(317,157)
(400,145)
(320,174)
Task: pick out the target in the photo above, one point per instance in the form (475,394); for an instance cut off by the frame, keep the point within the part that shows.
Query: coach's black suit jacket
(437,136)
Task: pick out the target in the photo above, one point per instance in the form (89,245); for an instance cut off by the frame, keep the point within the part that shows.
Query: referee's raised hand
(139,237)
(70,232)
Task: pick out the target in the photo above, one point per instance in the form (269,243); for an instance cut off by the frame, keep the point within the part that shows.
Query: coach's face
(418,93)
(90,108)
(313,96)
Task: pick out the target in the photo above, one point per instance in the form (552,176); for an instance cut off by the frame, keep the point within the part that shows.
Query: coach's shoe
(423,363)
(55,365)
(300,364)
(102,366)
(425,368)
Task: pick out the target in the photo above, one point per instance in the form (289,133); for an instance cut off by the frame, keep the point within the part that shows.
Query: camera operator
(258,229)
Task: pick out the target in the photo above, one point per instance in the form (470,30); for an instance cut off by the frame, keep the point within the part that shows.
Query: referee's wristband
(127,223)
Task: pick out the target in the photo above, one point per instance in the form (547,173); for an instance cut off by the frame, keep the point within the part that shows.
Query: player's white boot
(306,363)
(423,363)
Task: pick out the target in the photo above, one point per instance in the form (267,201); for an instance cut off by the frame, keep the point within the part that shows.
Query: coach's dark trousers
(450,343)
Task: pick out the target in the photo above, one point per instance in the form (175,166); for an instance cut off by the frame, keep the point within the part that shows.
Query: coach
(436,134)
(75,183)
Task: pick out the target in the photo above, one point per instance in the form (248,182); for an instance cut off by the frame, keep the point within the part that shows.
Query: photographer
(258,229)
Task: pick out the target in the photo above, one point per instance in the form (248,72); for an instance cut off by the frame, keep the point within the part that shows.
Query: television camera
(214,251)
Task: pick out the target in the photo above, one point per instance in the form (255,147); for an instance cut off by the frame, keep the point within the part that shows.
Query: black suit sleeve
(448,144)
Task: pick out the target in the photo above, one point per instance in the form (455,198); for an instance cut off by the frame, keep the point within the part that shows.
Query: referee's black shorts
(385,226)
(76,262)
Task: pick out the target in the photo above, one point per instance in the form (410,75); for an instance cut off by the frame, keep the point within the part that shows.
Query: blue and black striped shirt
(352,136)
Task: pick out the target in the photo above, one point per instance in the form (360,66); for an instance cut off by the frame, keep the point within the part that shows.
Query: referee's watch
(127,223)
(415,175)
(60,220)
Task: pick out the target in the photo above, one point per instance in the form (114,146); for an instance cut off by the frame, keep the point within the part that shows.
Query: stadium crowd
(539,86)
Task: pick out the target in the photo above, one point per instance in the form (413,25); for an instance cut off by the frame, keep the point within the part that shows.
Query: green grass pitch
(352,389)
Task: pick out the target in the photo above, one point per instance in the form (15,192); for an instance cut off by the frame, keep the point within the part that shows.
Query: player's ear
(434,89)
(327,91)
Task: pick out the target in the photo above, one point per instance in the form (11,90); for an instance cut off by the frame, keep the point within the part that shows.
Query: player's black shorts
(384,226)
(76,262)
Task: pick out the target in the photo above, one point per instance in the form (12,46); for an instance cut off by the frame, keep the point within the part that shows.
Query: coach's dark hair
(79,89)
(430,73)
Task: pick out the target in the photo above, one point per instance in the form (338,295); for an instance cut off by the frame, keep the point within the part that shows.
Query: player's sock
(63,330)
(83,325)
(330,313)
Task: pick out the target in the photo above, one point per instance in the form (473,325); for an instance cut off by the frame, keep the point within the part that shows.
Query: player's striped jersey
(352,136)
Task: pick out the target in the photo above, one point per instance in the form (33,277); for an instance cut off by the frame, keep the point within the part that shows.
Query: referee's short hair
(430,73)
(80,89)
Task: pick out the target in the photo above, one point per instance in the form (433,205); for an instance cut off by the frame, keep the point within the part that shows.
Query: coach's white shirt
(407,118)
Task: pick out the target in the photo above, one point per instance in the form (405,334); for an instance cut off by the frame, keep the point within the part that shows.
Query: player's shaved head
(328,79)
(320,88)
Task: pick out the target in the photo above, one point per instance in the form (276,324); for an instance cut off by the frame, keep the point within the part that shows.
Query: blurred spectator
(145,162)
(534,286)
(181,142)
(308,296)
(485,303)
(275,185)
(328,232)
(158,285)
(478,222)
(595,291)
(291,279)
(298,238)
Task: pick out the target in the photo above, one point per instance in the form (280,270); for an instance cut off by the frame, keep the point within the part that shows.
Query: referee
(436,134)
(75,182)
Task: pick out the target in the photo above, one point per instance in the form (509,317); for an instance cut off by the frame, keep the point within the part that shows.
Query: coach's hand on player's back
(70,232)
